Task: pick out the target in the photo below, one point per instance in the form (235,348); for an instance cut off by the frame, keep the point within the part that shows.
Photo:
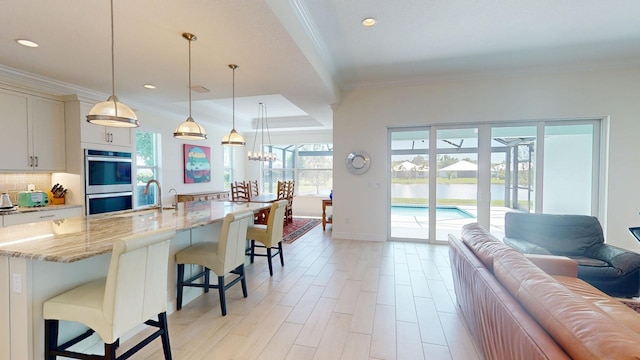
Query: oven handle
(101,196)
(108,158)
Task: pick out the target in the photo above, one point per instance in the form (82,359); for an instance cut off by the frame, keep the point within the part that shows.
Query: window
(228,166)
(309,165)
(146,167)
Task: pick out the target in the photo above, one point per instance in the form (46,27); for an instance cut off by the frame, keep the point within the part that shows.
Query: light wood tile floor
(333,299)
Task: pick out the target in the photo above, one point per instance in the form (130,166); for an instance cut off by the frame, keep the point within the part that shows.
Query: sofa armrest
(525,246)
(555,265)
(632,303)
(624,260)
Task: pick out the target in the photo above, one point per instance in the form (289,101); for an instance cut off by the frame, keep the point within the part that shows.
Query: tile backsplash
(16,182)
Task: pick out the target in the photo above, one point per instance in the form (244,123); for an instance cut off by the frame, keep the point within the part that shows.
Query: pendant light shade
(112,112)
(189,129)
(233,138)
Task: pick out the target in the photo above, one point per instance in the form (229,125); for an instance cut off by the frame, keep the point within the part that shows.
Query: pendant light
(262,123)
(189,129)
(112,112)
(233,138)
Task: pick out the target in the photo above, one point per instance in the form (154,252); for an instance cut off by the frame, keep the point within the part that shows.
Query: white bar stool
(134,291)
(224,256)
(269,235)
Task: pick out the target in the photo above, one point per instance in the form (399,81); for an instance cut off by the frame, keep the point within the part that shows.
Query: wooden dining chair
(289,211)
(223,257)
(270,235)
(134,291)
(253,187)
(240,191)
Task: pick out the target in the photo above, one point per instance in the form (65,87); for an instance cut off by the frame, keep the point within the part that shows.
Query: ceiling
(300,56)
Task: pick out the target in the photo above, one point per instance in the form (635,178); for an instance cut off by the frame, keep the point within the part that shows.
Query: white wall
(361,121)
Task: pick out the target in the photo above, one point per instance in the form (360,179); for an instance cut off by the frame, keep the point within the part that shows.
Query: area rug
(299,227)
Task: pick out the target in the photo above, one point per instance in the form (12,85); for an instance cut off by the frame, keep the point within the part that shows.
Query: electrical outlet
(16,283)
(31,187)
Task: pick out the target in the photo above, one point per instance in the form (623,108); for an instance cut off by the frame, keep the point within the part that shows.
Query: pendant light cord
(233,99)
(113,66)
(189,78)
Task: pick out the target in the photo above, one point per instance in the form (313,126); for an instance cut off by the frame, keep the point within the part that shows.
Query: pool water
(442,212)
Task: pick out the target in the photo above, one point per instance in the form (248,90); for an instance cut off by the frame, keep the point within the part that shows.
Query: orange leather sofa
(534,307)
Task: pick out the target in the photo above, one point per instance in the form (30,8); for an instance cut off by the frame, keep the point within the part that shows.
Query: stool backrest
(233,237)
(275,222)
(136,285)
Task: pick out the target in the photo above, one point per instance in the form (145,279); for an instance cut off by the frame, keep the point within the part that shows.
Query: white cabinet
(14,153)
(34,133)
(46,118)
(41,215)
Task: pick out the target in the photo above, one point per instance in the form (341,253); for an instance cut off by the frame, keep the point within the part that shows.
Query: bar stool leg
(180,285)
(223,302)
(50,338)
(243,280)
(269,261)
(166,348)
(110,351)
(207,280)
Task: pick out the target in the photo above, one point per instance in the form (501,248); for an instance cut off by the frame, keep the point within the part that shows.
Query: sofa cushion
(582,329)
(484,245)
(621,313)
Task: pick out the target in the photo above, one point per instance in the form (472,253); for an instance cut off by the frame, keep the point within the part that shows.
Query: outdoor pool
(442,212)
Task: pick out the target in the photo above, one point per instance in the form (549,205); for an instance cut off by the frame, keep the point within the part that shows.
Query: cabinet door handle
(30,161)
(110,137)
(36,161)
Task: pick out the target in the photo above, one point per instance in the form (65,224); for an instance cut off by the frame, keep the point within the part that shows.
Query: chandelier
(261,125)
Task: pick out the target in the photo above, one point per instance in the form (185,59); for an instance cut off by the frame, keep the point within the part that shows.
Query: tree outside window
(146,166)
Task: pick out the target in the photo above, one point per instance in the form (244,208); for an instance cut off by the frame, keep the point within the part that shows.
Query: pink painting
(197,164)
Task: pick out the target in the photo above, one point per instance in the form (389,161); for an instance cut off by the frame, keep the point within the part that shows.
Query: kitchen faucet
(159,195)
(174,204)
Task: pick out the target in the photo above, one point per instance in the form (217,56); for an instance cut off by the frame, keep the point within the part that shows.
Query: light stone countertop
(23,209)
(82,237)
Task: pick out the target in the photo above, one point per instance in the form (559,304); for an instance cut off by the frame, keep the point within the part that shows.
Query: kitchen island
(40,260)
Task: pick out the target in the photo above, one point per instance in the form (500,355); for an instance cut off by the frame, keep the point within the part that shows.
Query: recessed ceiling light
(368,22)
(27,43)
(149,86)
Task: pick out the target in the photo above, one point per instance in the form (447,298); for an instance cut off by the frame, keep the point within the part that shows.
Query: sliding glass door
(456,179)
(477,173)
(409,184)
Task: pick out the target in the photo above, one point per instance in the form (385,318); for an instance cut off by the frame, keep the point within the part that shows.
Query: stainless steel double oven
(108,181)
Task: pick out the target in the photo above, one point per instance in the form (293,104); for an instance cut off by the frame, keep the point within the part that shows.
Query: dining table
(261,217)
(264,198)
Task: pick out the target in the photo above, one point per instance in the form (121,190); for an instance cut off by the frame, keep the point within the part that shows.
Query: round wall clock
(358,162)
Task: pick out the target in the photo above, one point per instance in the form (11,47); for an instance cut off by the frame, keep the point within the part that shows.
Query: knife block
(57,201)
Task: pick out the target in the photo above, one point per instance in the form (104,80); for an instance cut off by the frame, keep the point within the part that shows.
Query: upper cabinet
(104,135)
(34,130)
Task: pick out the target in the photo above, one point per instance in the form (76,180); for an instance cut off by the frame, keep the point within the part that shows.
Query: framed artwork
(197,164)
